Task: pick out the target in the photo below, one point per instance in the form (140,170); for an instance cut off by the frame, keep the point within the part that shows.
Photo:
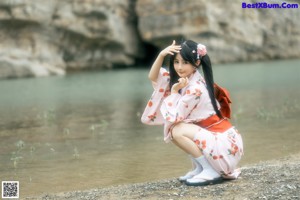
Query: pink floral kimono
(222,149)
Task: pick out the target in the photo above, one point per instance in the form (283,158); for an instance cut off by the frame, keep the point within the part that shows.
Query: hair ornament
(201,51)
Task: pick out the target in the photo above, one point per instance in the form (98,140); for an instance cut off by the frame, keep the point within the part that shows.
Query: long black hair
(189,53)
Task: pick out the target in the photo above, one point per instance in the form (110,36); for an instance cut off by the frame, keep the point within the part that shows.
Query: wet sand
(275,179)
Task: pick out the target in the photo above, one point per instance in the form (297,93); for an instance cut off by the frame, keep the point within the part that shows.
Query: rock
(263,186)
(40,38)
(230,32)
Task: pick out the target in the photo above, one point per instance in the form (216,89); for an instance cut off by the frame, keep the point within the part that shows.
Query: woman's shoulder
(162,81)
(197,82)
(196,86)
(193,87)
(164,75)
(164,72)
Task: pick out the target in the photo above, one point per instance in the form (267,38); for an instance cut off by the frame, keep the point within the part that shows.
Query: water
(83,131)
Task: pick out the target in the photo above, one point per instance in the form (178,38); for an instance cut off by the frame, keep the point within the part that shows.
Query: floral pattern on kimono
(162,106)
(222,150)
(193,104)
(152,114)
(176,107)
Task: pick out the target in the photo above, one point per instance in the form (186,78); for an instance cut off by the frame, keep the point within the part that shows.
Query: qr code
(10,189)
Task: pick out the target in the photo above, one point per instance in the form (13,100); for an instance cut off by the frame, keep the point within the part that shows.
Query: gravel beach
(275,179)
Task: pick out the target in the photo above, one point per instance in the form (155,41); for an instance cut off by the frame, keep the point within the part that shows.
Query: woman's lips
(180,73)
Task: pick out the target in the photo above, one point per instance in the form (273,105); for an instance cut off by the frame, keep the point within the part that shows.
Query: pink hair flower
(201,50)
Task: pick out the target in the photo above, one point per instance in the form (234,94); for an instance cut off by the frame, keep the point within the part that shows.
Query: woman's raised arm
(154,71)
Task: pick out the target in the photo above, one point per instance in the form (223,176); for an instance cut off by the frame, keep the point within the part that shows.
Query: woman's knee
(184,129)
(177,131)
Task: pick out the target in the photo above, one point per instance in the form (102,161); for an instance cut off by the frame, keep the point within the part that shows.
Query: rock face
(230,32)
(40,38)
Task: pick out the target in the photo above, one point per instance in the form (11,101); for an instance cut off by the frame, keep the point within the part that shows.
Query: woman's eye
(185,62)
(176,62)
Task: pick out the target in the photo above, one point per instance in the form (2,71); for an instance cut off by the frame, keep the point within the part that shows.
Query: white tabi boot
(196,170)
(208,175)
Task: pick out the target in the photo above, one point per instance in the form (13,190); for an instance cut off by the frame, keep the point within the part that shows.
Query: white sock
(207,168)
(197,168)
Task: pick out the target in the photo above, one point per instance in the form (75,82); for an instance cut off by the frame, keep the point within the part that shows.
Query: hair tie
(201,51)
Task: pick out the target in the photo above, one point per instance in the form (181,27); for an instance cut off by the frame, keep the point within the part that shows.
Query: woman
(186,104)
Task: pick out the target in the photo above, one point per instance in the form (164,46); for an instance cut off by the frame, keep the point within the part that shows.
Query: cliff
(40,38)
(230,32)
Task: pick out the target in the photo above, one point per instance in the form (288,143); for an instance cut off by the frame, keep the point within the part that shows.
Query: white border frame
(18,183)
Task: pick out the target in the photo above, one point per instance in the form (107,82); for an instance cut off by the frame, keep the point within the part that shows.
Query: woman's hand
(170,49)
(154,71)
(182,82)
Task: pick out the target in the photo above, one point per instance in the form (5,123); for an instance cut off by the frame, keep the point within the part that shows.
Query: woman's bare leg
(183,135)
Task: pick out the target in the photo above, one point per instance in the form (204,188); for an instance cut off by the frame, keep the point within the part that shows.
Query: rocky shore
(275,179)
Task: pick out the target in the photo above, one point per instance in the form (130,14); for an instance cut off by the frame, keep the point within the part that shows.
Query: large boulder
(40,38)
(230,32)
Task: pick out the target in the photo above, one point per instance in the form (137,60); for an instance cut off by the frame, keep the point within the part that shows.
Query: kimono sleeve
(177,107)
(152,114)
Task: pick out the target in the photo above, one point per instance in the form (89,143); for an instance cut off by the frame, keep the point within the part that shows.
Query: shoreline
(274,179)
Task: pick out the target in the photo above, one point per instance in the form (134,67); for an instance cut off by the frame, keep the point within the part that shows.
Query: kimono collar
(196,76)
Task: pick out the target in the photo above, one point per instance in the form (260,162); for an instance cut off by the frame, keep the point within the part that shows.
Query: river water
(83,130)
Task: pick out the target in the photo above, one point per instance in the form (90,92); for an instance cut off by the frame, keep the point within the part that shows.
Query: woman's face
(182,67)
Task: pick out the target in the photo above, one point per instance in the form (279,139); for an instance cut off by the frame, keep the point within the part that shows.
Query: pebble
(277,179)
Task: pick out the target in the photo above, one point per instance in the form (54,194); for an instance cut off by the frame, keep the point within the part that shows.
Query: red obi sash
(215,123)
(222,95)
